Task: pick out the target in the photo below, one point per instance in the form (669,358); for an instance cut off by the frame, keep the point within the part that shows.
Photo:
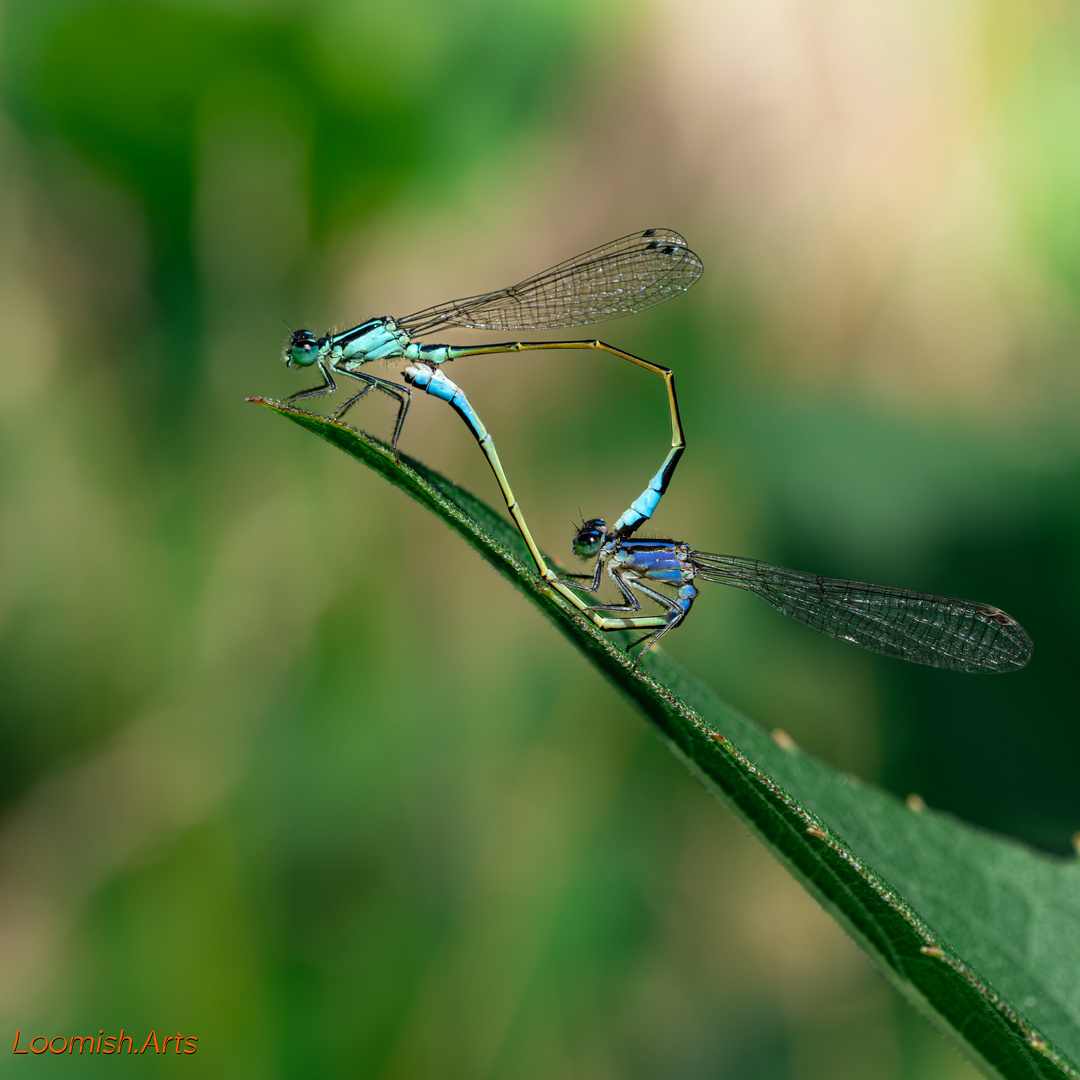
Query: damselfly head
(590,538)
(302,350)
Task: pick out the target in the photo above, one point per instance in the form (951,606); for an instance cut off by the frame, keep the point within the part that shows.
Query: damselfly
(941,631)
(619,278)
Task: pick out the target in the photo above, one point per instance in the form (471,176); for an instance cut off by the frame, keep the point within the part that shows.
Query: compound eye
(587,545)
(590,539)
(302,350)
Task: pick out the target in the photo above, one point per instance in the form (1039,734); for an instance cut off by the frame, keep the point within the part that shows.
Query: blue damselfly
(940,631)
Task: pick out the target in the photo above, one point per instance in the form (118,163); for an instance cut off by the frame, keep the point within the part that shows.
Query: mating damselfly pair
(620,278)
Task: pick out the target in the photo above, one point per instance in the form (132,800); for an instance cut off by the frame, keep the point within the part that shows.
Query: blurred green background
(283,765)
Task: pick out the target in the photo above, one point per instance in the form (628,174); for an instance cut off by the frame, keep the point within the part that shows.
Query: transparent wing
(941,631)
(615,279)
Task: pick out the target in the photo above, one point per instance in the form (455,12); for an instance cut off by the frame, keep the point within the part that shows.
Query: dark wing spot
(997,615)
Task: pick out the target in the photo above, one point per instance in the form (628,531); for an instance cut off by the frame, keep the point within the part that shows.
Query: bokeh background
(284,766)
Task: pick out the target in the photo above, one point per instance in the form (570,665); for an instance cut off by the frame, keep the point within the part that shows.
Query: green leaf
(980,933)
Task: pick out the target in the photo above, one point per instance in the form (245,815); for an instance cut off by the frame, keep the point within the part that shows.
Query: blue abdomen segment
(685,598)
(434,382)
(432,354)
(642,508)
